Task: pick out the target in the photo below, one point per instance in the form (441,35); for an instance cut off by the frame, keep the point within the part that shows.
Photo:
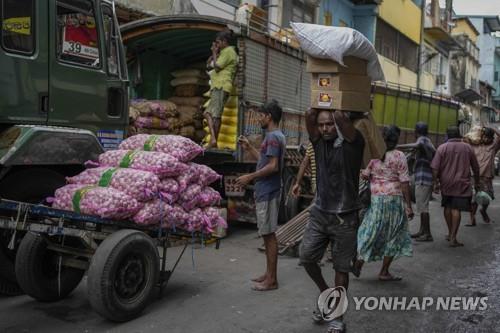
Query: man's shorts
(340,230)
(267,216)
(460,203)
(218,98)
(423,194)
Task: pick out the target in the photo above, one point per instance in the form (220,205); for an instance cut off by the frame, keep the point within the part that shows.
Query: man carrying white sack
(271,160)
(338,148)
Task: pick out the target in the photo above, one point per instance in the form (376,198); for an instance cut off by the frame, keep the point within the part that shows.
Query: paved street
(215,296)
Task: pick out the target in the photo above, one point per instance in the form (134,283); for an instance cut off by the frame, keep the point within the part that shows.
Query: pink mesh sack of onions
(154,212)
(197,173)
(214,217)
(140,185)
(182,148)
(101,201)
(206,197)
(161,164)
(170,190)
(152,122)
(204,220)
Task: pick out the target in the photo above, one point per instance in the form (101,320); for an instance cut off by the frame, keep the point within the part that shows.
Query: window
(18,33)
(496,76)
(395,46)
(77,37)
(111,38)
(297,11)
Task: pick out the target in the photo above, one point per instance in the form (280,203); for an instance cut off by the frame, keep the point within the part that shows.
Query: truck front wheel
(32,185)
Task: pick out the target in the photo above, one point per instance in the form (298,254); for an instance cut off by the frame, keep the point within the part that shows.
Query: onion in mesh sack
(101,201)
(177,146)
(170,190)
(154,212)
(214,217)
(197,173)
(161,164)
(206,197)
(153,122)
(140,185)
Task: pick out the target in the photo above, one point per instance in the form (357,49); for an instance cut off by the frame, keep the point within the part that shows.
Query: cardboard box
(353,65)
(340,100)
(340,81)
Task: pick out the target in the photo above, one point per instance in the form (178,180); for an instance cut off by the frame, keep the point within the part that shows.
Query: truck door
(24,61)
(84,76)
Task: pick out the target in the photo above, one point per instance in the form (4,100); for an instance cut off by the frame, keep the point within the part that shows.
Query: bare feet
(447,238)
(416,235)
(260,278)
(265,286)
(455,243)
(356,267)
(212,144)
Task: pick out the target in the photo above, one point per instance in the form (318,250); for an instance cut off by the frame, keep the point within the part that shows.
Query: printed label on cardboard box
(325,99)
(324,81)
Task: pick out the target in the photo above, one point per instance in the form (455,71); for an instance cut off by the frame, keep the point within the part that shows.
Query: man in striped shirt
(308,161)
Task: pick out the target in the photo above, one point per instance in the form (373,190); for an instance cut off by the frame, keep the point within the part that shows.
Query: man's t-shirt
(485,155)
(337,170)
(453,163)
(274,145)
(227,62)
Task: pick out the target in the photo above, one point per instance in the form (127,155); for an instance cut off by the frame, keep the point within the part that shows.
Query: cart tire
(123,274)
(38,274)
(8,281)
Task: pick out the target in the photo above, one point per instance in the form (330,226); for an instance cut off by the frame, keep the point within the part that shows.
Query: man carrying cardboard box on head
(338,148)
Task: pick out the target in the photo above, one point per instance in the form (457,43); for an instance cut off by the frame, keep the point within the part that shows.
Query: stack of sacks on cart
(149,180)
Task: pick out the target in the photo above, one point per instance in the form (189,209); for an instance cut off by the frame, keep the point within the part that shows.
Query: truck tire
(27,185)
(37,271)
(289,206)
(123,274)
(8,281)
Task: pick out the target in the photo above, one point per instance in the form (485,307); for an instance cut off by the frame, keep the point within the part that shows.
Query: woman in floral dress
(383,234)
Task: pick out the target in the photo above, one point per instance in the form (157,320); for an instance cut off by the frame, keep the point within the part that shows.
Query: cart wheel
(123,274)
(8,281)
(37,271)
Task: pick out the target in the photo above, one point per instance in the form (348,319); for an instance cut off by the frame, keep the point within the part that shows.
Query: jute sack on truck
(190,72)
(189,80)
(335,43)
(187,101)
(374,142)
(189,90)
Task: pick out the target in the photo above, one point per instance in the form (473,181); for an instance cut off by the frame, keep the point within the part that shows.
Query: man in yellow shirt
(222,64)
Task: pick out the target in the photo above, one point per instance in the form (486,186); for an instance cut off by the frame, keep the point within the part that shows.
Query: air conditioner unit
(440,79)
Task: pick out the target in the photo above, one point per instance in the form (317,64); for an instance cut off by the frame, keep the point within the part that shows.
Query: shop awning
(468,95)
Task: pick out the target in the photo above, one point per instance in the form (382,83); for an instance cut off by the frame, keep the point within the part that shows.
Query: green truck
(65,75)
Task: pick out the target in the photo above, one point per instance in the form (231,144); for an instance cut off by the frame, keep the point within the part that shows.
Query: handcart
(126,263)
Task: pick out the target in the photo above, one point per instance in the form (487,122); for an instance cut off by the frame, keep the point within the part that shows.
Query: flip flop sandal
(424,238)
(336,327)
(317,318)
(456,245)
(470,225)
(391,278)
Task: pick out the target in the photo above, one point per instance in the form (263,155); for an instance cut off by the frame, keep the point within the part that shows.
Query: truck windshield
(77,33)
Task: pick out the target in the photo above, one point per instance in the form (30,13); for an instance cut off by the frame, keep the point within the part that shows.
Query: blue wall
(362,18)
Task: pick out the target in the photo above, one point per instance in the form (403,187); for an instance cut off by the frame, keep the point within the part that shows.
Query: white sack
(335,43)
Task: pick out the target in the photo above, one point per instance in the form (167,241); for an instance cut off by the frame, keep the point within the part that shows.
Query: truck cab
(64,78)
(64,99)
